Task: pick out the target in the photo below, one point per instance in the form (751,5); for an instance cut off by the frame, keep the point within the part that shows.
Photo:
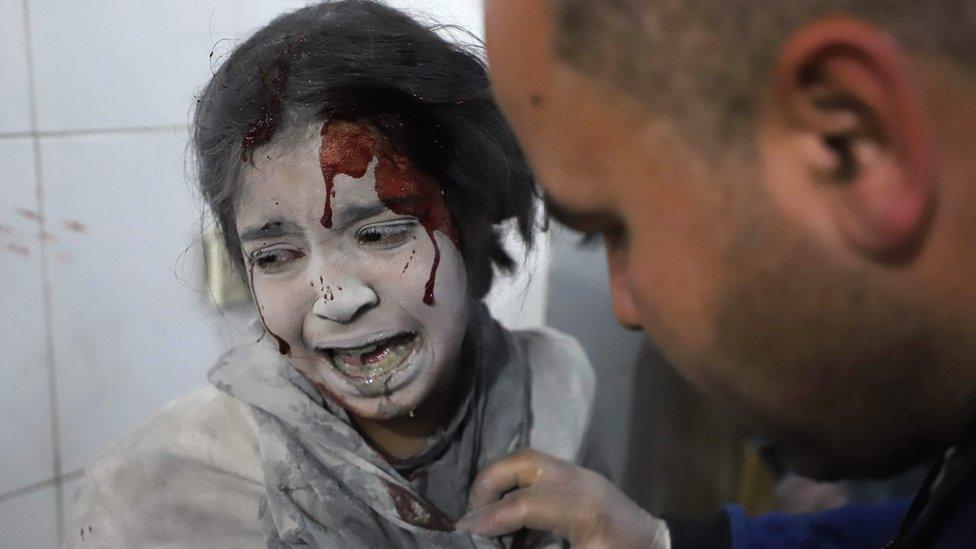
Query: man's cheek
(661,300)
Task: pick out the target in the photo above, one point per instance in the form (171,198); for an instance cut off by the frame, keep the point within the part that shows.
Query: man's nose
(344,302)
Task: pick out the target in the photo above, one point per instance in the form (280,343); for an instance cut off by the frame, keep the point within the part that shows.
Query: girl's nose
(346,301)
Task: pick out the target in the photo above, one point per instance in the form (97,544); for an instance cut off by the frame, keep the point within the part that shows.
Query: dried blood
(283,346)
(276,80)
(416,511)
(348,148)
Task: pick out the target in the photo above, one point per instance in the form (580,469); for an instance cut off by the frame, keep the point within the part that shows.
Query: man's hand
(541,492)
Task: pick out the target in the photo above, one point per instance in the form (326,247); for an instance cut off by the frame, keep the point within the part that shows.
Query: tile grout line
(86,132)
(45,276)
(40,485)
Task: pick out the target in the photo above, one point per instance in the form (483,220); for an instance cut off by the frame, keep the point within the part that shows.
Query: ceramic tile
(29,521)
(132,322)
(25,421)
(254,14)
(118,64)
(14,93)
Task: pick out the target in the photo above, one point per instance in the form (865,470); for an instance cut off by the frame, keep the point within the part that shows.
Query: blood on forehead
(348,148)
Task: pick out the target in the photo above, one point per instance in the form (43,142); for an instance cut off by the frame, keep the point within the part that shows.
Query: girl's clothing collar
(326,486)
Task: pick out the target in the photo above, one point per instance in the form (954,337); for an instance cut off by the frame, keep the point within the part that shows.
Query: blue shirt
(851,526)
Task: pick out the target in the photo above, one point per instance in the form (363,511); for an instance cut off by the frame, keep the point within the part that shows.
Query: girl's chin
(379,408)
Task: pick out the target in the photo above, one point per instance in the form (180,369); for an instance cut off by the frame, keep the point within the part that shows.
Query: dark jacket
(941,516)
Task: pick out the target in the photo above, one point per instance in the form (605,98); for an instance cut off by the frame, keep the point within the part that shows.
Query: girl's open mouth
(374,361)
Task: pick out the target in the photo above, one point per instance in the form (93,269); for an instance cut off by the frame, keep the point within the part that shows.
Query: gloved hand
(545,493)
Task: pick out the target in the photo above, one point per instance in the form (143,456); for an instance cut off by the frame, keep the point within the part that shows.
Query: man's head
(786,194)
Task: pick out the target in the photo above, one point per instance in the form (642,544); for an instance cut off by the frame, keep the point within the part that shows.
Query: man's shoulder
(563,390)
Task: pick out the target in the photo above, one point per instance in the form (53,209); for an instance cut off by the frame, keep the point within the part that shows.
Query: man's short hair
(702,62)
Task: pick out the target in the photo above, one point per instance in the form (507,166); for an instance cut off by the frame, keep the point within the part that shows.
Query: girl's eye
(275,260)
(386,235)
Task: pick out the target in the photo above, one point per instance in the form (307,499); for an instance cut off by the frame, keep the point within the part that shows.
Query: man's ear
(843,95)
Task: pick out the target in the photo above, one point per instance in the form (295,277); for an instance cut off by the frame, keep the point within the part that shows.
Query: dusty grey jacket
(197,474)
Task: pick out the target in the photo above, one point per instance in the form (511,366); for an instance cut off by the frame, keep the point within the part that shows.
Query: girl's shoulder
(563,391)
(191,472)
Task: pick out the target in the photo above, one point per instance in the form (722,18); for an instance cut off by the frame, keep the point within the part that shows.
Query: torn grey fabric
(326,486)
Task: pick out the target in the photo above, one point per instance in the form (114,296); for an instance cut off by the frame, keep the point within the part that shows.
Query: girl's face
(362,286)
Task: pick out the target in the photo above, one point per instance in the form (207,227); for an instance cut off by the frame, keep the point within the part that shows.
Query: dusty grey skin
(327,487)
(360,280)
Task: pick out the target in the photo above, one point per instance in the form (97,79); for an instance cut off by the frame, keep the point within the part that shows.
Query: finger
(526,508)
(518,470)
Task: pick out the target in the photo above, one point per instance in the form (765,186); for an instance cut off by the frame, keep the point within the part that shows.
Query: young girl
(360,171)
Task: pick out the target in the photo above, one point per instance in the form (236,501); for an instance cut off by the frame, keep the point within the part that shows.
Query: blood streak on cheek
(283,346)
(348,149)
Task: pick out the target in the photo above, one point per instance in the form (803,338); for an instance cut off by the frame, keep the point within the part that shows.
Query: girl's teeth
(352,361)
(364,350)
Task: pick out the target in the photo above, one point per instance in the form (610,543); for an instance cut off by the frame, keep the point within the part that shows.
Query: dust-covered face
(354,264)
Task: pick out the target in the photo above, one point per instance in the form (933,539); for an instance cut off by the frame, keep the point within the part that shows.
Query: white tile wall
(130,331)
(14,106)
(129,64)
(25,454)
(30,521)
(117,64)
(253,14)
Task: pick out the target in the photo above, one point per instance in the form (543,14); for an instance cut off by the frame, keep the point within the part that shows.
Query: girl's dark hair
(358,60)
